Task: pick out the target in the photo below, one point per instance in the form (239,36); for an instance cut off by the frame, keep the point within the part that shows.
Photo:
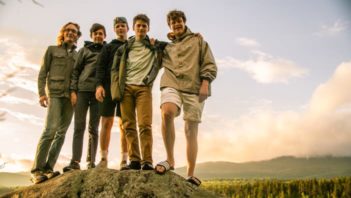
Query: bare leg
(169,111)
(191,130)
(105,133)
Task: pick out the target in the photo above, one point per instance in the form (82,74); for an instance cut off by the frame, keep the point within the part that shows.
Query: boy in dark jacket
(108,108)
(55,73)
(83,83)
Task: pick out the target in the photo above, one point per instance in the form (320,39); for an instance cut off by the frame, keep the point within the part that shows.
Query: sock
(103,154)
(124,156)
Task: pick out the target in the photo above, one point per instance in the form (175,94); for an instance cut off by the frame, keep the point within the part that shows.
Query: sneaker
(102,163)
(123,165)
(51,174)
(147,166)
(38,177)
(134,165)
(91,165)
(72,166)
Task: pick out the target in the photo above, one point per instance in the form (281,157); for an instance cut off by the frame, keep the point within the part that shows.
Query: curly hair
(60,37)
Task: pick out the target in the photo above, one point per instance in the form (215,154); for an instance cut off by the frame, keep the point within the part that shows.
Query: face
(70,34)
(177,26)
(121,30)
(98,36)
(140,28)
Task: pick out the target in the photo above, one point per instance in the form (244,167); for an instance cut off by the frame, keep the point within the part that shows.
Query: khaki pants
(137,103)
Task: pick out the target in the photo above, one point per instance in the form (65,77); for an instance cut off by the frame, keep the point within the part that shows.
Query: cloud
(28,118)
(247,42)
(265,68)
(333,29)
(323,128)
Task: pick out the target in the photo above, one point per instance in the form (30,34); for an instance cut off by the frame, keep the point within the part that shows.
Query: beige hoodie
(186,61)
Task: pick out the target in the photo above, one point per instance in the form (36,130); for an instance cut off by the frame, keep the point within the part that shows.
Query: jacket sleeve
(208,67)
(101,66)
(77,70)
(43,73)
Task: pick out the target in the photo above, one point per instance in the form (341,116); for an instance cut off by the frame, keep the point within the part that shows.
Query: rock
(103,182)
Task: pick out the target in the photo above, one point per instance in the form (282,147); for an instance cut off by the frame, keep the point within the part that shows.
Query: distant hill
(14,179)
(279,168)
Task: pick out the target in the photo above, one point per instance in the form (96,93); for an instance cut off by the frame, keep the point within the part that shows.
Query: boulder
(103,182)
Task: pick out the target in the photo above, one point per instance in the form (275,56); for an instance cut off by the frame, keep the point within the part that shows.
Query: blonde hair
(60,37)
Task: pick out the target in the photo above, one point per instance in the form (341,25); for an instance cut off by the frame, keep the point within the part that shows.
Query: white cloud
(322,128)
(29,118)
(332,29)
(265,68)
(247,42)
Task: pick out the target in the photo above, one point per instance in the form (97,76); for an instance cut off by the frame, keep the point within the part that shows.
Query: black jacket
(104,63)
(84,72)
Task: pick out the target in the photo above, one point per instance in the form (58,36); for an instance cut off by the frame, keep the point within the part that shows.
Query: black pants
(86,100)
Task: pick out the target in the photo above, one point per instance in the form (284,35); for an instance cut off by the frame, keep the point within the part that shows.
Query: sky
(282,87)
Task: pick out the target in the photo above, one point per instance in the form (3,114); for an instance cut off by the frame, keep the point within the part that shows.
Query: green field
(271,188)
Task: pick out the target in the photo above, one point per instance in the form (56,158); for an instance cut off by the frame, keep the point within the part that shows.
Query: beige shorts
(192,108)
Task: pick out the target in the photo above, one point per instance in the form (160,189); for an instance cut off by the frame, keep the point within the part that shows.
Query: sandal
(194,180)
(166,167)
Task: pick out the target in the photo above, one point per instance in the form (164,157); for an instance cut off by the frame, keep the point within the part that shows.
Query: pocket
(56,84)
(59,59)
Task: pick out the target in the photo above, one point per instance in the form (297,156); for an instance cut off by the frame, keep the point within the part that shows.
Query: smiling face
(70,34)
(141,28)
(98,36)
(121,30)
(177,26)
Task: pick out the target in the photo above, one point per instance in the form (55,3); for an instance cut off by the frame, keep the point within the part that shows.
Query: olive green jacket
(56,70)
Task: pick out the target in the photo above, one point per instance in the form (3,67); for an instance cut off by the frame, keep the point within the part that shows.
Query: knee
(168,114)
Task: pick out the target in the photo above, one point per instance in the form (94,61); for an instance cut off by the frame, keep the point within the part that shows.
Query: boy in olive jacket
(55,73)
(138,64)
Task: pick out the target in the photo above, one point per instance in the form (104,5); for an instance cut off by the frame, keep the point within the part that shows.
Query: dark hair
(175,14)
(120,20)
(141,17)
(60,36)
(97,26)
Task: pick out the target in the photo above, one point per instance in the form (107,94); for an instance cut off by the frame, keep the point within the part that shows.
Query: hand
(73,98)
(203,93)
(43,100)
(152,41)
(100,93)
(199,35)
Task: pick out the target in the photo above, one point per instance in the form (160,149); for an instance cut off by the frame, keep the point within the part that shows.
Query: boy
(83,84)
(107,107)
(189,68)
(55,72)
(137,62)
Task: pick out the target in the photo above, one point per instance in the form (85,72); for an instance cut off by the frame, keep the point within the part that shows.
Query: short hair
(120,20)
(60,37)
(97,26)
(175,14)
(143,18)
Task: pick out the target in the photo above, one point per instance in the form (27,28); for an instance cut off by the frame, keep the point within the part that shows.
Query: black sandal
(194,180)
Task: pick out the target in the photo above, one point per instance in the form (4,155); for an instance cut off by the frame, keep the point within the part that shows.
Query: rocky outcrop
(102,182)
